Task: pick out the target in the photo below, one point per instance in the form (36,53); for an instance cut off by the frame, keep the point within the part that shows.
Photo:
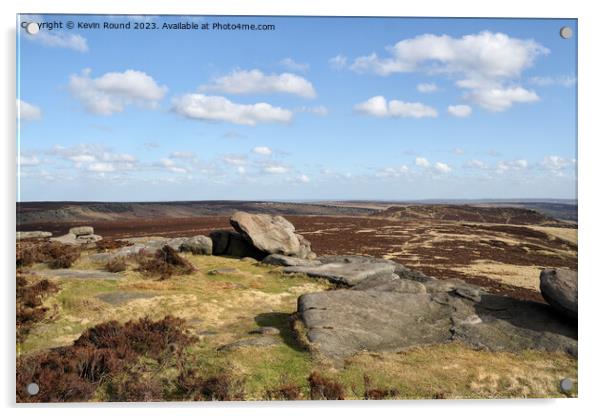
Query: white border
(590,202)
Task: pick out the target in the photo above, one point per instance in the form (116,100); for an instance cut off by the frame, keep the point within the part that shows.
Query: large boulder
(199,244)
(78,236)
(282,260)
(559,288)
(271,234)
(229,243)
(348,274)
(340,323)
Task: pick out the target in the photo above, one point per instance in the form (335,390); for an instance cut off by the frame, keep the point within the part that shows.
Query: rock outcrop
(78,236)
(271,234)
(230,243)
(559,288)
(397,314)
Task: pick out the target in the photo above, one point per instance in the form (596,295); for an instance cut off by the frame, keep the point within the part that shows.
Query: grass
(223,308)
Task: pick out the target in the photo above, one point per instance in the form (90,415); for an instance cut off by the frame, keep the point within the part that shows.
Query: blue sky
(319,108)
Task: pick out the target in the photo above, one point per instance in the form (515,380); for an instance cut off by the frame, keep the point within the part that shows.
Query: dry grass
(510,274)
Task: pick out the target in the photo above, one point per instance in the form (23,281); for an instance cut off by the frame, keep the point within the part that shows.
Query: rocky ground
(432,309)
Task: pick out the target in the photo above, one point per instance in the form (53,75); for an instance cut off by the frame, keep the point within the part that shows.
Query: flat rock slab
(349,274)
(344,322)
(261,341)
(121,298)
(79,274)
(282,260)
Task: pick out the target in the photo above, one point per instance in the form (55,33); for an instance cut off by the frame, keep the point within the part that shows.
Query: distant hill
(471,213)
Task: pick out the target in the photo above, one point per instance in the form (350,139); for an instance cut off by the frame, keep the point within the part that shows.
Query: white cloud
(556,163)
(393,172)
(255,81)
(82,158)
(304,178)
(442,167)
(275,169)
(319,110)
(422,162)
(262,150)
(378,107)
(113,91)
(484,63)
(27,111)
(476,164)
(338,62)
(171,166)
(511,165)
(427,87)
(501,99)
(235,160)
(101,167)
(28,160)
(290,64)
(56,39)
(459,110)
(216,108)
(561,80)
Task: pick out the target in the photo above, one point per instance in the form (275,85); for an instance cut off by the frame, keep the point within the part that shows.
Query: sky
(309,108)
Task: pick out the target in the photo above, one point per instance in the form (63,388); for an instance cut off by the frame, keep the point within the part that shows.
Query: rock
(282,260)
(229,243)
(176,242)
(400,270)
(84,230)
(271,234)
(390,283)
(264,341)
(81,239)
(199,245)
(559,288)
(266,330)
(341,323)
(23,235)
(348,274)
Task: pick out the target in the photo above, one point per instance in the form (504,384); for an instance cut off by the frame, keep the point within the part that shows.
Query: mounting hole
(566,385)
(33,389)
(566,32)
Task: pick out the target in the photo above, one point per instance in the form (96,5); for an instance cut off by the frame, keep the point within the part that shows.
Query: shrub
(166,263)
(116,265)
(374,393)
(221,387)
(132,386)
(56,255)
(110,244)
(29,304)
(101,353)
(322,388)
(287,391)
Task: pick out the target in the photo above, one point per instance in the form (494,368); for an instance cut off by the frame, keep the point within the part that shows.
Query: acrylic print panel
(295,208)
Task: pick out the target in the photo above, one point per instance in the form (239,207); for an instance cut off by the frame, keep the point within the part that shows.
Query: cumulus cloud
(560,80)
(422,162)
(304,178)
(379,107)
(393,172)
(511,165)
(25,160)
(256,82)
(262,150)
(172,166)
(442,167)
(27,111)
(476,164)
(501,99)
(57,39)
(275,169)
(556,163)
(235,160)
(338,62)
(95,158)
(484,63)
(427,87)
(319,110)
(220,109)
(113,91)
(459,110)
(292,65)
